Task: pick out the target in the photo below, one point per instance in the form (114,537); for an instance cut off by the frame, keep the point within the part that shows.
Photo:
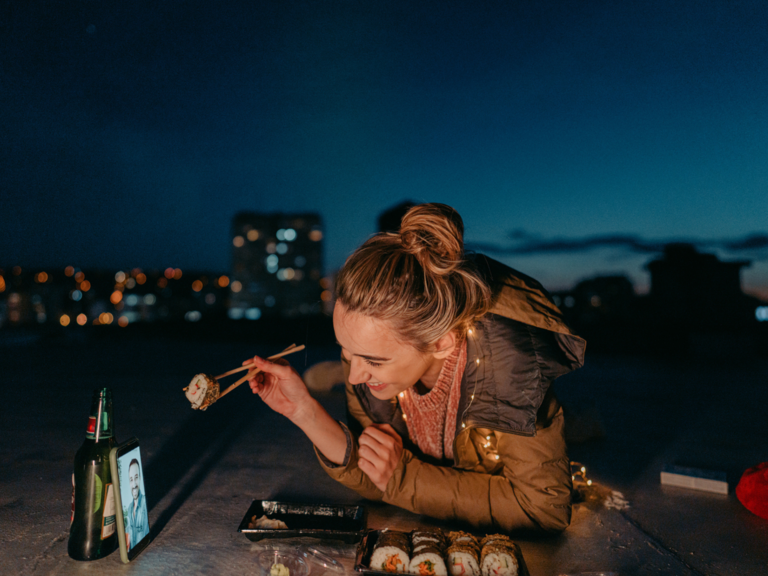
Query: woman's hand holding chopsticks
(280,387)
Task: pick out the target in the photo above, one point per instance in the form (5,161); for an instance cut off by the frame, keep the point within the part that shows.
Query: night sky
(575,138)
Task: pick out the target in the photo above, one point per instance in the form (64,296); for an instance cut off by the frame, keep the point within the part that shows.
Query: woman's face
(377,358)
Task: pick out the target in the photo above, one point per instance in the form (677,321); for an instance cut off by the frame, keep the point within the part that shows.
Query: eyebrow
(366,356)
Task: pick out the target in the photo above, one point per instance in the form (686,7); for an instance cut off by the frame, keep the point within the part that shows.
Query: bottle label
(91,432)
(110,520)
(97,496)
(105,431)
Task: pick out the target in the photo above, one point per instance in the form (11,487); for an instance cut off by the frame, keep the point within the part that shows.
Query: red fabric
(752,490)
(431,418)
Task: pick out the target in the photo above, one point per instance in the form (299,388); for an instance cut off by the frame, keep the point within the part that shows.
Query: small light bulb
(463,425)
(405,417)
(402,395)
(497,456)
(487,437)
(477,361)
(583,470)
(472,397)
(469,331)
(589,482)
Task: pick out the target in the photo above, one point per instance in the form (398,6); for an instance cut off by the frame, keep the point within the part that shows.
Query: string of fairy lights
(578,470)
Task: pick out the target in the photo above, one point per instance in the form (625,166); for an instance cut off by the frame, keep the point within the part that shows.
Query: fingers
(380,436)
(279,368)
(256,383)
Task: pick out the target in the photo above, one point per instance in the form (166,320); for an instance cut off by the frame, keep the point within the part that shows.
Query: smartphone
(130,499)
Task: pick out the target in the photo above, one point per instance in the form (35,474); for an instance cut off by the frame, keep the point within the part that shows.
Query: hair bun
(434,234)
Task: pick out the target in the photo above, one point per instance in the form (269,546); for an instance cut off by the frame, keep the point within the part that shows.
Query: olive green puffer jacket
(510,468)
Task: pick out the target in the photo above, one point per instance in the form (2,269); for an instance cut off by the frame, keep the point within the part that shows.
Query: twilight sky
(575,138)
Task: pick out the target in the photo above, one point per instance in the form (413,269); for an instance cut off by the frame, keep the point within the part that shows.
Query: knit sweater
(431,417)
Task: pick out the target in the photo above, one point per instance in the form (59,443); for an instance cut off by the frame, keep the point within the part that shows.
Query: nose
(358,372)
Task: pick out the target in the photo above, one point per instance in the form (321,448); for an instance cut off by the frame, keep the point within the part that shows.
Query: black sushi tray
(326,521)
(368,542)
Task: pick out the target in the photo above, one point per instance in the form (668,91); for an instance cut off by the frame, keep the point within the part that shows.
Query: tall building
(277,265)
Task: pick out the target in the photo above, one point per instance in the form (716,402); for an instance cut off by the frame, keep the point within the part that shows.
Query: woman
(449,361)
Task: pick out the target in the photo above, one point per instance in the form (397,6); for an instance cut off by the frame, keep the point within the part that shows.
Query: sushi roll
(390,553)
(428,561)
(493,538)
(434,535)
(202,391)
(463,560)
(499,559)
(463,538)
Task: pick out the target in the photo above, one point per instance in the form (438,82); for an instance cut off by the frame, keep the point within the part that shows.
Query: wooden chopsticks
(252,372)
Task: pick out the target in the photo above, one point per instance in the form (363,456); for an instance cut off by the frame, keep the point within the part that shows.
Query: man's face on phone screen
(133,479)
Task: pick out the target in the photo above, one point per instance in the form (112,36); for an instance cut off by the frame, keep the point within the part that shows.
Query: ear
(446,345)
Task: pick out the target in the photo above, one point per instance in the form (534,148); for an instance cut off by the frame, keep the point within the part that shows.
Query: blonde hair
(418,280)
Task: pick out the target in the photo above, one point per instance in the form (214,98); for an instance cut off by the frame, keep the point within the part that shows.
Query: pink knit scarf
(431,418)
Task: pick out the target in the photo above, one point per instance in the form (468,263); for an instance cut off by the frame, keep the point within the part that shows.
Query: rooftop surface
(628,417)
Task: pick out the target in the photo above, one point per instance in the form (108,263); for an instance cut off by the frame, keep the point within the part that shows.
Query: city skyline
(133,135)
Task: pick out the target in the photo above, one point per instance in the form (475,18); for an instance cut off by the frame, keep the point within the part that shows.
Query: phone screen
(133,498)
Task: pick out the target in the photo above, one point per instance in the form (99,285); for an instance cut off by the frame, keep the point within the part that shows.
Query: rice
(391,552)
(462,560)
(499,560)
(428,562)
(390,559)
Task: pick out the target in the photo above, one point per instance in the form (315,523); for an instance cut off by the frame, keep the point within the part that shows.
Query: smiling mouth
(376,385)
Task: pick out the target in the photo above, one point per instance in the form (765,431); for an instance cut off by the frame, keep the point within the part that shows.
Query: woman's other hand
(380,451)
(280,387)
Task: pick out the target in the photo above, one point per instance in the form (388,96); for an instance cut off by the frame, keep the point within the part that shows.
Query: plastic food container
(332,522)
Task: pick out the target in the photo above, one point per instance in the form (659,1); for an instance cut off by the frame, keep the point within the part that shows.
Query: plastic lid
(322,561)
(294,562)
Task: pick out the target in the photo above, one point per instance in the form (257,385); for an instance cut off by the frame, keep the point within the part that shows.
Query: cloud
(754,245)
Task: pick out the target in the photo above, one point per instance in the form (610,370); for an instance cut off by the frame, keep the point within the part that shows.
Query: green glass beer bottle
(92,532)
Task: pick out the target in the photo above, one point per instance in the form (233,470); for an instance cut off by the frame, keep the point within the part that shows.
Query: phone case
(124,553)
